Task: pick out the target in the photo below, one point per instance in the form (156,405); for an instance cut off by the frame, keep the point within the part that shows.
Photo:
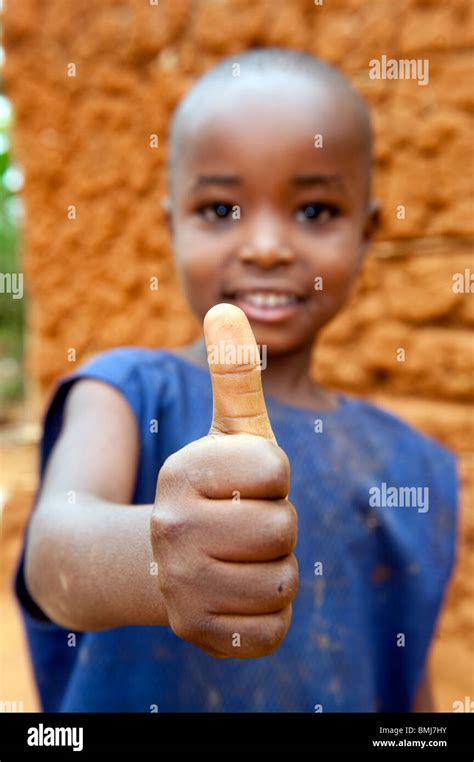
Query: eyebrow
(305,180)
(216,180)
(299,180)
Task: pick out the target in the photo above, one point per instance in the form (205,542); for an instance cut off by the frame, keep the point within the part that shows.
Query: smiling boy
(247,143)
(259,213)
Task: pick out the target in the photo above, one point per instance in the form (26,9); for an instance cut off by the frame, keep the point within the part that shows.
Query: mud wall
(91,82)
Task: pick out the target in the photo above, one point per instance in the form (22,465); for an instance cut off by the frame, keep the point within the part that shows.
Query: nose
(263,245)
(266,251)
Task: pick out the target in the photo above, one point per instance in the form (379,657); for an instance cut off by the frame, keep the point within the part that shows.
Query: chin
(277,344)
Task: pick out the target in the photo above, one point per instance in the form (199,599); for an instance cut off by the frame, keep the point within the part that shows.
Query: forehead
(275,128)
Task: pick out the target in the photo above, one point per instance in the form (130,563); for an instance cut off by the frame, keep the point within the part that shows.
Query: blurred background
(86,93)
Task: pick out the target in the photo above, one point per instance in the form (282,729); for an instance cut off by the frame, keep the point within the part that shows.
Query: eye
(217,211)
(316,212)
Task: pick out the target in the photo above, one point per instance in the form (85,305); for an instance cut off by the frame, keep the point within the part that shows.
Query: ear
(167,209)
(372,222)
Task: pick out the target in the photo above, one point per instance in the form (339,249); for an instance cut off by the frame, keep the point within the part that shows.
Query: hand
(222,528)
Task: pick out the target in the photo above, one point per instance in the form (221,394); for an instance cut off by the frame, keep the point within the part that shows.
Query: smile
(267,306)
(266,298)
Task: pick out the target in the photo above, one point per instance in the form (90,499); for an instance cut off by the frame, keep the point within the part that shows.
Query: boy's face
(263,215)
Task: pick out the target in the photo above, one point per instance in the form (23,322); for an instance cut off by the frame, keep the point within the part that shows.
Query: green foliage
(11,309)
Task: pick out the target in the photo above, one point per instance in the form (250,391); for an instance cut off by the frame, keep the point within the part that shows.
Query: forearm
(89,565)
(424,698)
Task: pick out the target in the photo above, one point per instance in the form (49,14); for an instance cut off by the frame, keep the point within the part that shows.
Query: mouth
(266,305)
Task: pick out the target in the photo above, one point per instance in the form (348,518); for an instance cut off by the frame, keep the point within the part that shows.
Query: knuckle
(176,467)
(273,634)
(278,468)
(186,469)
(170,468)
(207,635)
(293,525)
(288,580)
(183,628)
(167,526)
(285,527)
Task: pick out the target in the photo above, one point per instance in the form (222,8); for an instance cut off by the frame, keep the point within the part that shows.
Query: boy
(181,592)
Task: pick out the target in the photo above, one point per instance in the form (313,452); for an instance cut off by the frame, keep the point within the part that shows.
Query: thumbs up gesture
(222,528)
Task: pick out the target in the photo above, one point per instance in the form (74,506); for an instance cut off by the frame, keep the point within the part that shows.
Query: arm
(223,572)
(423,699)
(88,555)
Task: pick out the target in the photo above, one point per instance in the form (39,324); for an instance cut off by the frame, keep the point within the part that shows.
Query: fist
(222,528)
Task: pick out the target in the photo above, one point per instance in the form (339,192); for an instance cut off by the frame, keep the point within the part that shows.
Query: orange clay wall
(92,83)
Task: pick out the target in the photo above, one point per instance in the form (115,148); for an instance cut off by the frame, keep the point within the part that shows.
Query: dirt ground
(452,656)
(18,478)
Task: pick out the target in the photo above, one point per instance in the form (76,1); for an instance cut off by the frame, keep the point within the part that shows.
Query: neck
(286,377)
(288,374)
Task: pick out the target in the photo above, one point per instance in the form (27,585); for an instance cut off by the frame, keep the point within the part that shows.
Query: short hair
(265,60)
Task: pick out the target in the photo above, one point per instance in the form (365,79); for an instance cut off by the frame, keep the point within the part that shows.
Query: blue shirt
(372,573)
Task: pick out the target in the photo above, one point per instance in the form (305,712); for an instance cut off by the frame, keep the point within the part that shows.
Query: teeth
(268,299)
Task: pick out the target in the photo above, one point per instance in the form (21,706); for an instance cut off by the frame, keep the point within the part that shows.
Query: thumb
(234,365)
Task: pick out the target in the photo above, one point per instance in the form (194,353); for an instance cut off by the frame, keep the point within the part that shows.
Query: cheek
(197,266)
(339,272)
(337,257)
(337,263)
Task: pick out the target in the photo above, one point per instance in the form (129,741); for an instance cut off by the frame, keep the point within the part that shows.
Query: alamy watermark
(400,68)
(463,283)
(227,353)
(384,496)
(12,283)
(11,706)
(464,705)
(42,735)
